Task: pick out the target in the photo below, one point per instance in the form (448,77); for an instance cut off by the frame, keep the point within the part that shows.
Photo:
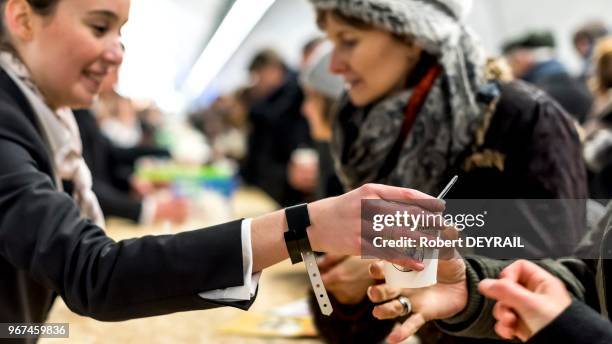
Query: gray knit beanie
(432,22)
(316,73)
(438,26)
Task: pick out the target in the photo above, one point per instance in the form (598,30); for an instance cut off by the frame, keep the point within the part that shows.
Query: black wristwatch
(298,246)
(296,237)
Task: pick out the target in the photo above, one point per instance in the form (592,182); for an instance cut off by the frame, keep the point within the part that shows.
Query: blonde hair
(602,57)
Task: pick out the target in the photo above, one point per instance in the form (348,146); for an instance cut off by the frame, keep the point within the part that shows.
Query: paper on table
(291,320)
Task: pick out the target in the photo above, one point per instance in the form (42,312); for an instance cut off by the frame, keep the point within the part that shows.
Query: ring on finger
(406,304)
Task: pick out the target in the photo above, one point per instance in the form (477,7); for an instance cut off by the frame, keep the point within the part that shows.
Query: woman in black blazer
(54,55)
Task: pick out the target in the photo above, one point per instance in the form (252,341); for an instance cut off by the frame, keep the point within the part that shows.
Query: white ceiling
(163,38)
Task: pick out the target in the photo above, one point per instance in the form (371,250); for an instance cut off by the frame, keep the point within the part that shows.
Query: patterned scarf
(61,134)
(364,137)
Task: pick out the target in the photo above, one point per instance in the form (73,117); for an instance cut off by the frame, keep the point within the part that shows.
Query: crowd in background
(263,123)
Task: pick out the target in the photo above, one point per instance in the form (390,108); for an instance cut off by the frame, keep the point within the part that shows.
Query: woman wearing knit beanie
(422,103)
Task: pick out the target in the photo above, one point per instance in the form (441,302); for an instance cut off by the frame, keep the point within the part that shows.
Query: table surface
(279,285)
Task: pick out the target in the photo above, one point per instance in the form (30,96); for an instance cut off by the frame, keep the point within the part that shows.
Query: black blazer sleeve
(42,233)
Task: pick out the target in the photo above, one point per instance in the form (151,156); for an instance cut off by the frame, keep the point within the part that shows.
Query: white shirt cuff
(250,279)
(147,211)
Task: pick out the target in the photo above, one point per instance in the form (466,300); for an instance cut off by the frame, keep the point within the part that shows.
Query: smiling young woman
(70,70)
(54,55)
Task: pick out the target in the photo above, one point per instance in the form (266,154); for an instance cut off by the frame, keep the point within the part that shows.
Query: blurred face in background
(267,79)
(520,61)
(373,63)
(70,51)
(583,46)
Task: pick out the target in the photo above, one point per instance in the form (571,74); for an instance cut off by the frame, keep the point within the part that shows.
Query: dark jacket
(48,249)
(599,161)
(277,129)
(111,167)
(570,92)
(588,280)
(542,159)
(329,184)
(577,324)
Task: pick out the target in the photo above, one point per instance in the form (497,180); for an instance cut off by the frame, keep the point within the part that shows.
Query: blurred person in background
(120,192)
(308,167)
(598,128)
(532,58)
(423,104)
(128,151)
(151,119)
(54,55)
(233,142)
(224,124)
(308,48)
(585,39)
(277,129)
(117,115)
(322,90)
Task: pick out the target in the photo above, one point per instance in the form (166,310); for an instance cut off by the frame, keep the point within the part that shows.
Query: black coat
(578,324)
(48,249)
(111,167)
(572,93)
(277,129)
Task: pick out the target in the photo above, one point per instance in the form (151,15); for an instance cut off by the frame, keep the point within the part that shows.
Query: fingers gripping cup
(397,276)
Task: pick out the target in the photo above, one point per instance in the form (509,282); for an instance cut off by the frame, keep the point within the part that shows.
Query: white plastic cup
(397,278)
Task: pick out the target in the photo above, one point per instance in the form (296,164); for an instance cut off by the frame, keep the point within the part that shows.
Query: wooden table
(279,285)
